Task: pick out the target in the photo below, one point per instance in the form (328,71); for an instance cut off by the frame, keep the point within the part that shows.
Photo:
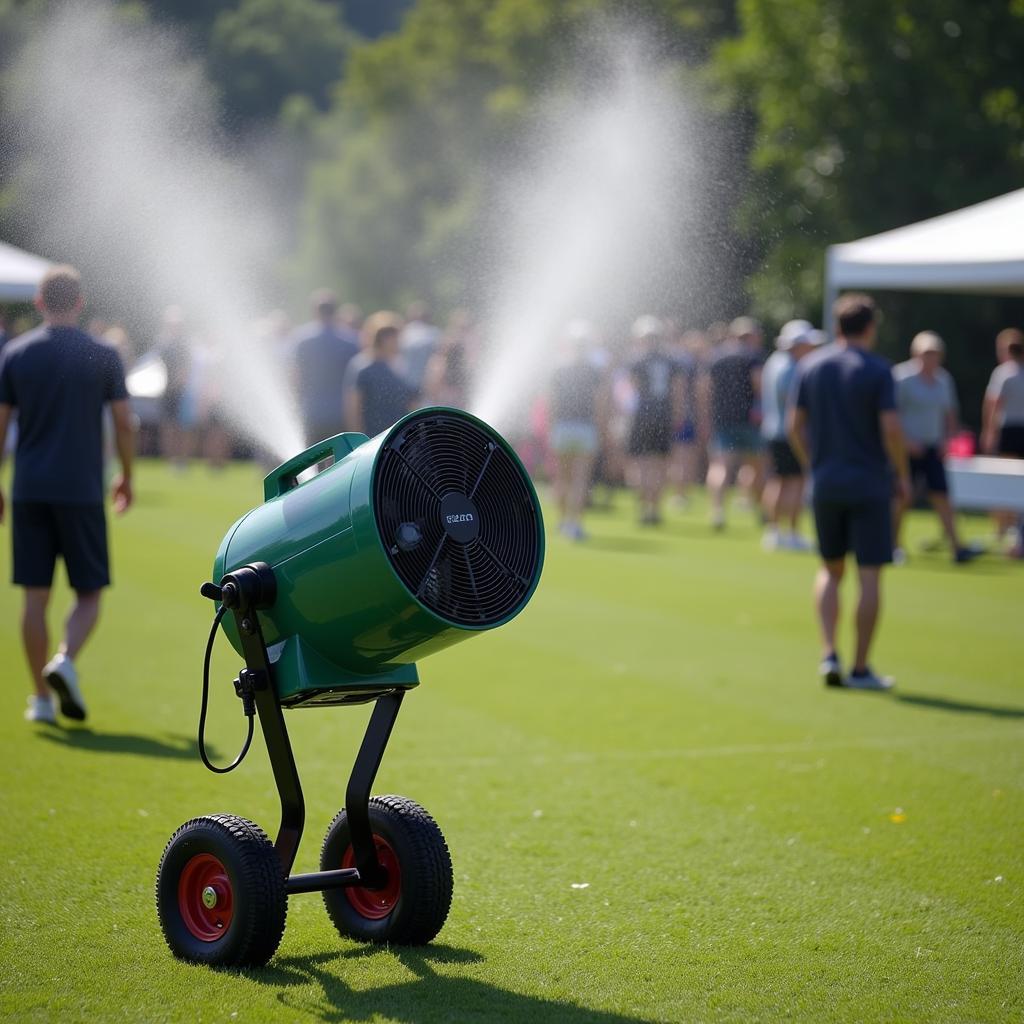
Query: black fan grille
(482,581)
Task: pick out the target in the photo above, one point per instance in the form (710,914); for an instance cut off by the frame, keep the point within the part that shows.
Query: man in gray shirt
(926,399)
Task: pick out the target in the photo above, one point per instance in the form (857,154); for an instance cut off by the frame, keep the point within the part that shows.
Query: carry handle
(284,478)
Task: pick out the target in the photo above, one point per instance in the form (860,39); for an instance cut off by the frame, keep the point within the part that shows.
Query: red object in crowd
(962,445)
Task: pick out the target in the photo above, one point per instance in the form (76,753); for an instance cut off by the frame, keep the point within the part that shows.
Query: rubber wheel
(413,905)
(220,893)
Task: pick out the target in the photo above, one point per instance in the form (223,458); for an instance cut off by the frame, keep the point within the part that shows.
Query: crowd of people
(659,411)
(676,407)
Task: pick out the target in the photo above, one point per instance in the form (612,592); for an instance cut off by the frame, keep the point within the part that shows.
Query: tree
(402,197)
(262,52)
(868,116)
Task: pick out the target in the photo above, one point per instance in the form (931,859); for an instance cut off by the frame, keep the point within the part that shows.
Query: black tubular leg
(279,749)
(364,771)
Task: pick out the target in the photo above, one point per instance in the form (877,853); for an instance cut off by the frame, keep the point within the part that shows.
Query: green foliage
(869,116)
(262,52)
(401,198)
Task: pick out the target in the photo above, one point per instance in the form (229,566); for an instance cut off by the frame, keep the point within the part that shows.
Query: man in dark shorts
(732,392)
(657,378)
(380,395)
(322,350)
(843,422)
(59,379)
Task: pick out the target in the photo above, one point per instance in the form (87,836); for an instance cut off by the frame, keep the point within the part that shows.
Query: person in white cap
(926,399)
(782,498)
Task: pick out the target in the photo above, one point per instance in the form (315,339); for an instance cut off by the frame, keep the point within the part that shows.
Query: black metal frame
(258,675)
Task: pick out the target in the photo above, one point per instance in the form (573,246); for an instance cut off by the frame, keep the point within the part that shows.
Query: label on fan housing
(459,517)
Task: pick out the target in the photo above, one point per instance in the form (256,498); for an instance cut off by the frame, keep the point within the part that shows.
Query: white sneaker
(794,542)
(770,540)
(40,709)
(61,677)
(870,681)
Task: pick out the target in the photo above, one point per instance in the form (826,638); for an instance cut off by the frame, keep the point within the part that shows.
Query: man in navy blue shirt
(59,379)
(380,396)
(844,424)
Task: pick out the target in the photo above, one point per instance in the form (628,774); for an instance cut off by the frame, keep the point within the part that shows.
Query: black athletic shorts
(78,533)
(1011,441)
(650,435)
(863,527)
(784,462)
(928,468)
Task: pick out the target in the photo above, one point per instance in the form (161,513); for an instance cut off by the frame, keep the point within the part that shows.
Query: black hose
(206,697)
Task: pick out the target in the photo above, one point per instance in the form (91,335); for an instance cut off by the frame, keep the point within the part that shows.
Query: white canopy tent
(20,273)
(977,249)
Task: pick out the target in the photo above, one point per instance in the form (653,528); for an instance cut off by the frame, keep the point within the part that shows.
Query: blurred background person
(380,395)
(656,378)
(578,408)
(682,468)
(174,347)
(209,385)
(118,338)
(783,495)
(321,352)
(927,403)
(732,387)
(1004,410)
(449,375)
(1003,419)
(418,341)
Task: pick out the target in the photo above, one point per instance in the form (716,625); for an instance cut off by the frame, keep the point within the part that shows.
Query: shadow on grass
(961,707)
(983,565)
(627,545)
(428,996)
(182,747)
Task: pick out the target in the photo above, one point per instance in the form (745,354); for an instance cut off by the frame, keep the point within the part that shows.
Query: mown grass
(744,845)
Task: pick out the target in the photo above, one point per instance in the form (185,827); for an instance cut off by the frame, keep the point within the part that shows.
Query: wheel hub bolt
(209,897)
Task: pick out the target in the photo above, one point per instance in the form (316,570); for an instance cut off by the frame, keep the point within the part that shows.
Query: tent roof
(20,273)
(977,249)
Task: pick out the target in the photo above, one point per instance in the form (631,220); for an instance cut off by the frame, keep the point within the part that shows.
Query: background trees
(813,121)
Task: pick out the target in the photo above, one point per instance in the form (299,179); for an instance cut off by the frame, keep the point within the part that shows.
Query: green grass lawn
(654,810)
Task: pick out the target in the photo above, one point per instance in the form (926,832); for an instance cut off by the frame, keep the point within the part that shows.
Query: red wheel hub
(204,897)
(376,904)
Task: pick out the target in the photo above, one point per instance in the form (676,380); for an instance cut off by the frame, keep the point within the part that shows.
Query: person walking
(578,402)
(782,498)
(844,425)
(59,379)
(658,382)
(321,352)
(731,392)
(926,398)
